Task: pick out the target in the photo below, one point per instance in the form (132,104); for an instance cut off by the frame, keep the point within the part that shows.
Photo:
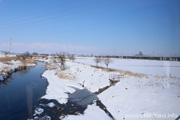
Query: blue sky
(122,27)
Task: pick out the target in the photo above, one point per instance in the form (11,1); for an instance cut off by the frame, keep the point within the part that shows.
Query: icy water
(77,104)
(20,93)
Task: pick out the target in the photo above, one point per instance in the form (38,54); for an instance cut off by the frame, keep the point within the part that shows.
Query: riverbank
(134,94)
(9,65)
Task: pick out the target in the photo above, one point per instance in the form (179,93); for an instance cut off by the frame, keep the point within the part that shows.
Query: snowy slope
(140,97)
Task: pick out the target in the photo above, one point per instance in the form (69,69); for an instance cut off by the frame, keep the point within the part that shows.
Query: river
(20,93)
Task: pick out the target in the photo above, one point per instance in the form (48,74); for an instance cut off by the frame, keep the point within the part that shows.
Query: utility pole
(67,50)
(10,47)
(153,54)
(114,52)
(74,51)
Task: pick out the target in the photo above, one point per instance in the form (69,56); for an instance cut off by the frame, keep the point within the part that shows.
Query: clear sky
(122,27)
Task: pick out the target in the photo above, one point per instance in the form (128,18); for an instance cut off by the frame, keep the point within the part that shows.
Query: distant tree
(92,55)
(97,60)
(34,53)
(23,57)
(140,53)
(6,53)
(107,60)
(26,54)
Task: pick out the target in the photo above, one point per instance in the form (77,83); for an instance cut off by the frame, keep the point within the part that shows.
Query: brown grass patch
(124,73)
(30,61)
(63,75)
(5,59)
(50,67)
(27,61)
(160,77)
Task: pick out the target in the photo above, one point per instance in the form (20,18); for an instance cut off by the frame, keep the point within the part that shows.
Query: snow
(149,67)
(38,111)
(135,96)
(132,95)
(51,104)
(91,78)
(57,88)
(30,65)
(1,78)
(12,66)
(14,62)
(93,112)
(6,55)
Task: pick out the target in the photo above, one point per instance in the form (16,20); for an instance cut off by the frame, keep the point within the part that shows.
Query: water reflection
(20,93)
(9,79)
(82,97)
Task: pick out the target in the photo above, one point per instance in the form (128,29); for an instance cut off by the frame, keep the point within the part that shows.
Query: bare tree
(60,59)
(98,60)
(71,57)
(107,60)
(23,57)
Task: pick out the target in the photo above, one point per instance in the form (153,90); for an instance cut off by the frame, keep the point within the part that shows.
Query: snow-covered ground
(76,75)
(6,55)
(10,65)
(141,97)
(149,67)
(93,112)
(133,95)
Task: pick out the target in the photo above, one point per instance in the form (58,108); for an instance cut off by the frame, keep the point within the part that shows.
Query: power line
(73,13)
(25,18)
(10,47)
(49,14)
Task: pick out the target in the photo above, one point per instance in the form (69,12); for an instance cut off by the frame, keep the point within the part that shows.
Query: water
(77,104)
(20,93)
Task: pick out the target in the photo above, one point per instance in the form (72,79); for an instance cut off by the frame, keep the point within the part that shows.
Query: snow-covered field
(6,55)
(133,95)
(93,112)
(149,67)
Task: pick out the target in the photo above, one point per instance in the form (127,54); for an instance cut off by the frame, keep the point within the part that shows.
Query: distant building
(39,56)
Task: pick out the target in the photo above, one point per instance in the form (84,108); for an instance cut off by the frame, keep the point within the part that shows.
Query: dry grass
(124,73)
(27,61)
(128,73)
(5,59)
(30,61)
(160,77)
(63,75)
(5,69)
(49,66)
